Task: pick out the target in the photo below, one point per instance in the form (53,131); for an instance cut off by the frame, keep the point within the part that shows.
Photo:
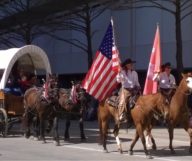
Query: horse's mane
(64,91)
(31,90)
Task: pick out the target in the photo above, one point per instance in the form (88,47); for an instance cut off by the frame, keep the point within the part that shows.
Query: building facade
(134,36)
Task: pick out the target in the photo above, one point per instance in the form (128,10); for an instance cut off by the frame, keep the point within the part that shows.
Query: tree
(27,27)
(180,9)
(80,20)
(24,30)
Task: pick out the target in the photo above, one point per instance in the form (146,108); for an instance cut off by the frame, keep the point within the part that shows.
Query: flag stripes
(100,80)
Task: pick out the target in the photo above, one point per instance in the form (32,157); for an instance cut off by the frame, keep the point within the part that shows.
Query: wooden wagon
(29,58)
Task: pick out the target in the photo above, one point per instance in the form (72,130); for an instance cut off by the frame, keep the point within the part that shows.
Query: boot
(123,117)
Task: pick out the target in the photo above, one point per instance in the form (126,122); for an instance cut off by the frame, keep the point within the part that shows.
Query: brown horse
(41,107)
(179,113)
(74,102)
(146,107)
(105,113)
(143,113)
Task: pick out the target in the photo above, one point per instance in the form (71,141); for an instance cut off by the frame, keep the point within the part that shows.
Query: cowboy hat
(167,65)
(128,61)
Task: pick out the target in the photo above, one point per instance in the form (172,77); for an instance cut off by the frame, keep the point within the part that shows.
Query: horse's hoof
(149,157)
(48,131)
(130,152)
(100,143)
(121,151)
(35,138)
(190,150)
(44,142)
(42,139)
(105,151)
(172,151)
(149,146)
(83,139)
(66,139)
(31,137)
(27,136)
(154,147)
(56,143)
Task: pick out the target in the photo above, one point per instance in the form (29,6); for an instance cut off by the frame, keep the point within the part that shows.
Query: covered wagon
(29,58)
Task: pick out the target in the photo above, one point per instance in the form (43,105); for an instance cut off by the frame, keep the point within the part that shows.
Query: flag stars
(101,78)
(107,43)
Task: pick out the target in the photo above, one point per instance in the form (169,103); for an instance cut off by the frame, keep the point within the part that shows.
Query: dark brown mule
(74,102)
(178,113)
(143,113)
(39,107)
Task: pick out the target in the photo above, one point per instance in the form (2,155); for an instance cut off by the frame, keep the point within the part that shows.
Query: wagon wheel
(3,122)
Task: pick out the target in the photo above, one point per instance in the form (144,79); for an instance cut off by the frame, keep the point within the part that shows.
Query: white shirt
(165,81)
(128,79)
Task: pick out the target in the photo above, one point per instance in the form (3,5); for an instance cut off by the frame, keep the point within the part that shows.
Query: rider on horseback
(166,81)
(129,81)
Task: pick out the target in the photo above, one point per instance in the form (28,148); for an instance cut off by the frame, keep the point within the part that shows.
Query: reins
(185,93)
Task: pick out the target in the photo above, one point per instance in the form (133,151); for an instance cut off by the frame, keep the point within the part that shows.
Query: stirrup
(123,118)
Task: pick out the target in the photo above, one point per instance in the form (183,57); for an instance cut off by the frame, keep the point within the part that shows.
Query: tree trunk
(179,46)
(28,35)
(88,36)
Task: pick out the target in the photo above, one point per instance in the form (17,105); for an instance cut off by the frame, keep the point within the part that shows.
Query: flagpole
(114,40)
(113,31)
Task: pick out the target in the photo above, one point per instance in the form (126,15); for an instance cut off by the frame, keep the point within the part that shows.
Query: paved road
(16,147)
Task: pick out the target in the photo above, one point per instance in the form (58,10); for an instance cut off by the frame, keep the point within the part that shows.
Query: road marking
(174,141)
(97,150)
(82,148)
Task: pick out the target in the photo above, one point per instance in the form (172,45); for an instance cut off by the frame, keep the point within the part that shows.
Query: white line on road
(97,150)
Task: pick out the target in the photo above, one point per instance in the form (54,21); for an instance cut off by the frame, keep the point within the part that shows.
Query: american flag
(100,80)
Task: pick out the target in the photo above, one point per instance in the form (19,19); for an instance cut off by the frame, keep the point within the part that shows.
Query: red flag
(100,80)
(154,65)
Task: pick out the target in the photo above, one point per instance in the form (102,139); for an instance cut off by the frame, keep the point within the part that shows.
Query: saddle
(168,93)
(113,101)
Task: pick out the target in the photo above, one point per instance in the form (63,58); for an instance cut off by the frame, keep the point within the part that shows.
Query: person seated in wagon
(128,78)
(166,81)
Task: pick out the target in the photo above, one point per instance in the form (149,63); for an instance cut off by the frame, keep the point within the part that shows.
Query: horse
(108,110)
(146,108)
(74,102)
(105,113)
(142,114)
(178,111)
(39,104)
